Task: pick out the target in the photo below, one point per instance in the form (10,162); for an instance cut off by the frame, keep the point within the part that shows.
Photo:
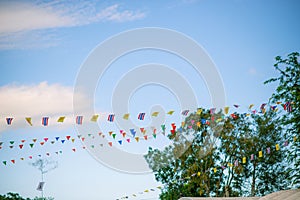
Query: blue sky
(43,45)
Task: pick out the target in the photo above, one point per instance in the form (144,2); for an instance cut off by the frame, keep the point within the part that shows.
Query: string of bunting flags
(62,140)
(134,137)
(141,116)
(141,193)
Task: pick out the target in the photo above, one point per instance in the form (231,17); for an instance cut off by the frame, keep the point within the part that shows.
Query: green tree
(266,173)
(12,196)
(211,164)
(186,166)
(288,92)
(234,136)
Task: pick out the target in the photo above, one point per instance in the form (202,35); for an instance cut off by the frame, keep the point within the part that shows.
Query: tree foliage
(216,154)
(206,158)
(16,196)
(288,91)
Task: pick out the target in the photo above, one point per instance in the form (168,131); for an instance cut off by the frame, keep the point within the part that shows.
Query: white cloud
(112,14)
(15,17)
(36,101)
(19,20)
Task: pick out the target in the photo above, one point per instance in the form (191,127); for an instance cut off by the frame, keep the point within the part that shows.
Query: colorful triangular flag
(61,119)
(170,112)
(226,110)
(28,119)
(154,114)
(126,116)
(94,118)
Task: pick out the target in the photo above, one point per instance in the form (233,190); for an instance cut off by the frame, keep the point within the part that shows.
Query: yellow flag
(94,118)
(28,119)
(277,147)
(215,170)
(263,110)
(146,191)
(61,119)
(250,106)
(73,140)
(155,114)
(278,102)
(226,110)
(198,124)
(229,164)
(198,174)
(295,139)
(248,114)
(260,154)
(126,116)
(199,111)
(170,112)
(137,139)
(219,120)
(158,187)
(244,160)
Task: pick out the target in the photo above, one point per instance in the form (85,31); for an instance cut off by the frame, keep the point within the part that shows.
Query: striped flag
(185,112)
(79,120)
(9,120)
(45,121)
(141,116)
(111,117)
(288,106)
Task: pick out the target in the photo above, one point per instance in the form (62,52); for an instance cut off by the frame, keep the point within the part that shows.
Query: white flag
(40,186)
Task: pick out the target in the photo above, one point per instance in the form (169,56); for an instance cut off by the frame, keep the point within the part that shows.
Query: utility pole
(44,166)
